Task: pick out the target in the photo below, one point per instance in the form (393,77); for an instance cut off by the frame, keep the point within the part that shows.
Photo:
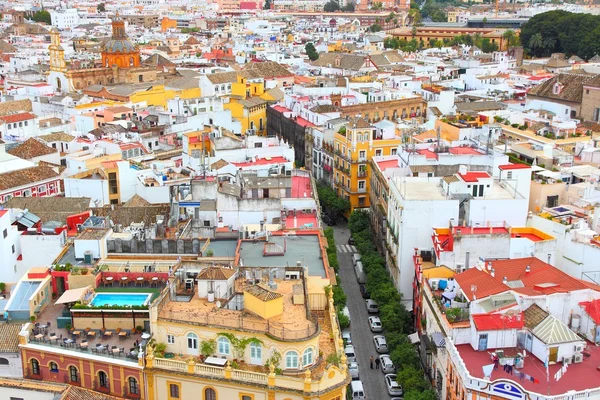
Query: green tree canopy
(42,16)
(331,6)
(563,32)
(101,8)
(311,51)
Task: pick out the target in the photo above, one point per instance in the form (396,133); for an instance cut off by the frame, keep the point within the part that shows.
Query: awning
(551,174)
(414,338)
(73,295)
(439,339)
(536,168)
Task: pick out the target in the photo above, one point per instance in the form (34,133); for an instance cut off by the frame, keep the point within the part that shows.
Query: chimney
(505,280)
(549,257)
(527,269)
(467,256)
(493,272)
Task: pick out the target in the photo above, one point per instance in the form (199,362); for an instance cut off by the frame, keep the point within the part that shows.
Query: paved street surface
(362,337)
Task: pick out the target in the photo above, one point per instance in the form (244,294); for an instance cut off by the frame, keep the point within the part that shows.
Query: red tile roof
(281,109)
(261,161)
(304,122)
(17,117)
(592,308)
(474,176)
(383,165)
(506,167)
(2,212)
(542,277)
(465,150)
(485,283)
(428,154)
(494,322)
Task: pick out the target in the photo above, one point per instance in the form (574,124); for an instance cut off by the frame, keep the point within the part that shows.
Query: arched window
(307,357)
(35,367)
(133,386)
(291,360)
(210,394)
(73,374)
(102,379)
(3,361)
(192,341)
(224,345)
(131,61)
(53,366)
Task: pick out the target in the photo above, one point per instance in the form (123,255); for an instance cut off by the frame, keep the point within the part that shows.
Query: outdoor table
(140,280)
(108,333)
(76,333)
(123,280)
(84,345)
(69,342)
(110,279)
(39,336)
(155,280)
(91,333)
(215,361)
(146,336)
(116,350)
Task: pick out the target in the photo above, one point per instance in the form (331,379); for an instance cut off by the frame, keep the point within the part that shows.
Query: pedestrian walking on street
(371,362)
(377,362)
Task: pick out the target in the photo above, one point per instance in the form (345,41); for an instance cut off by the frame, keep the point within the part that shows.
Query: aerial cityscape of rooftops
(300,200)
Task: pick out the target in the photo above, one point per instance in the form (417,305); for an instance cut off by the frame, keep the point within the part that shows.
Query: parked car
(363,291)
(386,364)
(328,220)
(393,387)
(346,312)
(380,344)
(353,368)
(346,337)
(350,354)
(356,391)
(372,307)
(375,324)
(351,240)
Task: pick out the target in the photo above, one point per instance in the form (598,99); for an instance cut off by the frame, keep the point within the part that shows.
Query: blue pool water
(120,299)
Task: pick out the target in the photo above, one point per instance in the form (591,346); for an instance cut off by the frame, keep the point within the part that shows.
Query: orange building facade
(119,51)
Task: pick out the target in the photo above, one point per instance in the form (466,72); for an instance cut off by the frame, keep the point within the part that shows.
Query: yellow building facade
(247,104)
(277,349)
(354,145)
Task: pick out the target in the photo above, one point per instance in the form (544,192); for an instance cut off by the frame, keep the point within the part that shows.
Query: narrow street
(362,337)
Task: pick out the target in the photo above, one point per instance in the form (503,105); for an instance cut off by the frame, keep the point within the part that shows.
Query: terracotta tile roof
(592,308)
(25,177)
(494,322)
(219,164)
(136,201)
(263,294)
(33,385)
(324,108)
(216,274)
(267,69)
(77,393)
(534,316)
(542,278)
(17,117)
(31,148)
(9,338)
(222,77)
(51,208)
(486,284)
(572,87)
(352,62)
(7,47)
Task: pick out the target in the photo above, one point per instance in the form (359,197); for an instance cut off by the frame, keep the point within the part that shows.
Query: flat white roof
(419,188)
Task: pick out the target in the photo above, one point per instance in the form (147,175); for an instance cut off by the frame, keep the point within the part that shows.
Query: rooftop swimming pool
(121,299)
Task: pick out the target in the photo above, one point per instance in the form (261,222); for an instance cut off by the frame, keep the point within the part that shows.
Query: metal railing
(274,329)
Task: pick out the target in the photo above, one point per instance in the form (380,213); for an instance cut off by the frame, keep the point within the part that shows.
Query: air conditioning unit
(577,358)
(578,348)
(567,360)
(434,285)
(460,268)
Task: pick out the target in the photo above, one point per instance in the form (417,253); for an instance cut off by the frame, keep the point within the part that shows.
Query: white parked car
(393,387)
(350,354)
(380,344)
(346,337)
(353,368)
(375,324)
(386,364)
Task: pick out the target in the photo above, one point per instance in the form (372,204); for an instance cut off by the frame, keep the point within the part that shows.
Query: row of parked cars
(356,390)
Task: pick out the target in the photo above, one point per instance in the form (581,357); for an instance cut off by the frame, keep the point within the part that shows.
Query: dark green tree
(331,6)
(311,51)
(42,16)
(267,5)
(375,28)
(101,8)
(349,7)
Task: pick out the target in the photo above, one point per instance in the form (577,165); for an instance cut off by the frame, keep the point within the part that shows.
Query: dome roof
(119,46)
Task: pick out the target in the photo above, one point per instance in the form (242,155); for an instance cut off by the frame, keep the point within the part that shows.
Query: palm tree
(536,42)
(509,37)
